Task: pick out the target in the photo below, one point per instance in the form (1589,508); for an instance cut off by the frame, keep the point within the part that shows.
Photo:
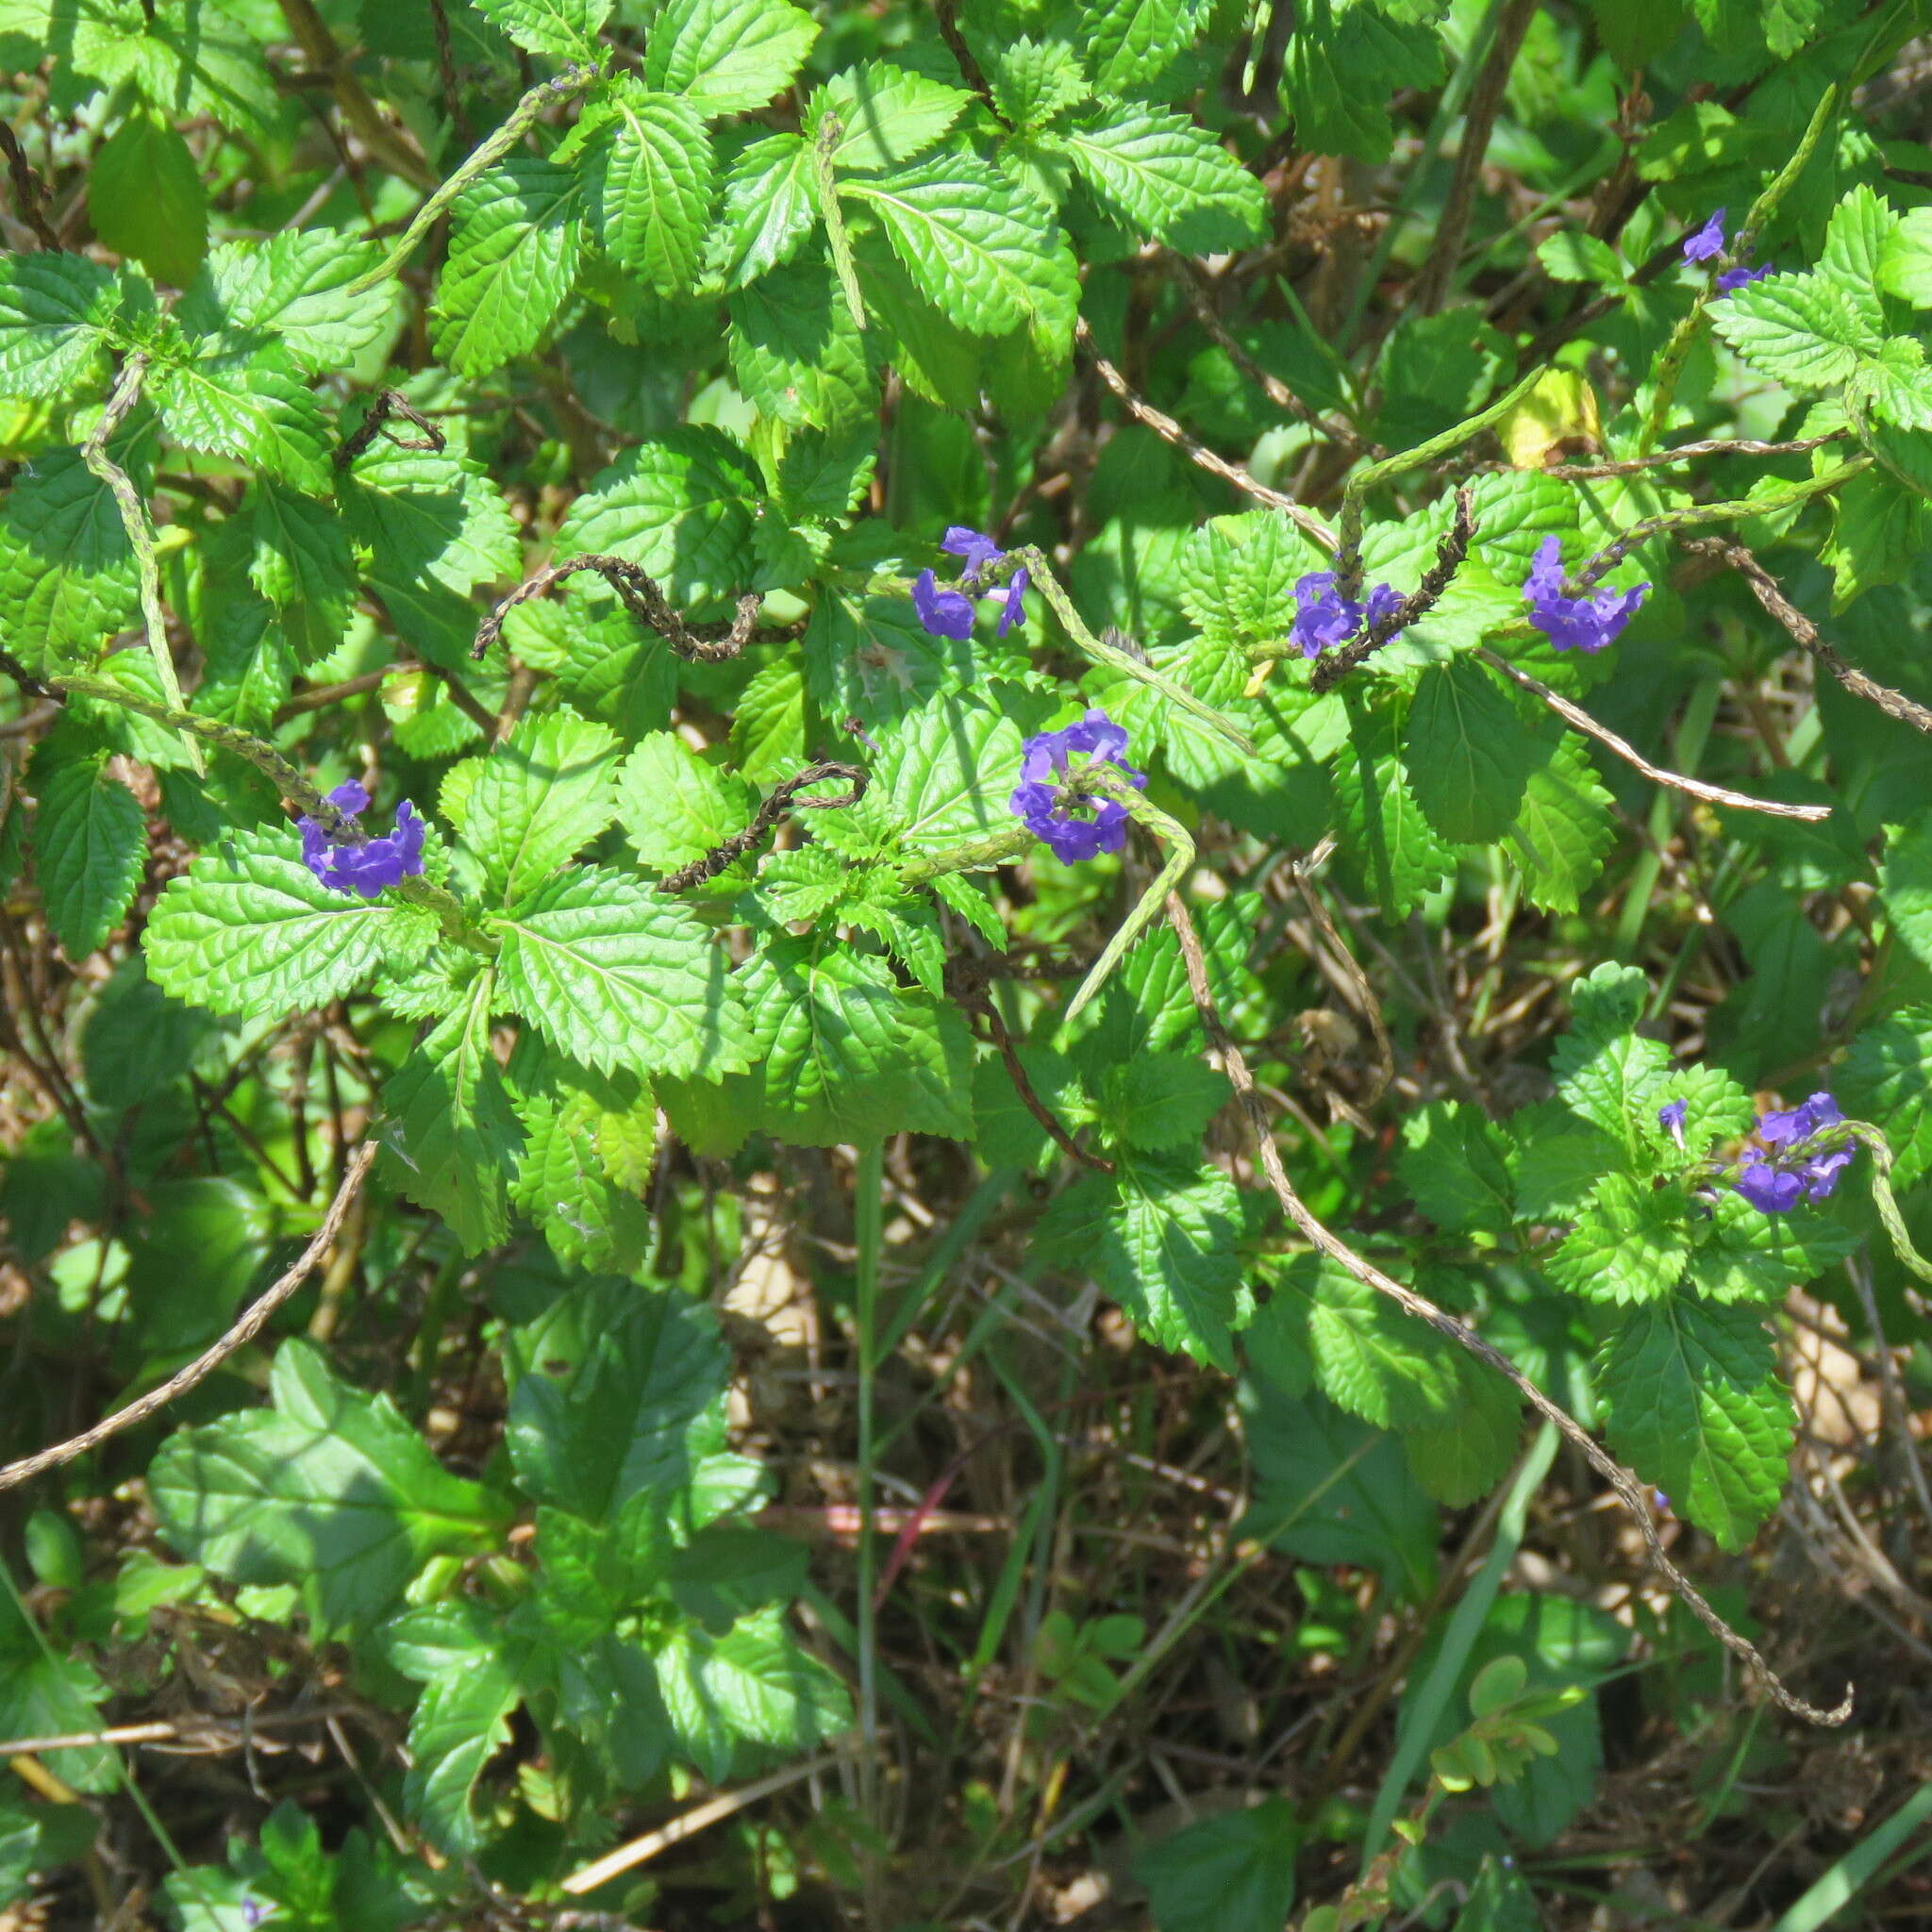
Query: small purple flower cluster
(1323,618)
(1707,244)
(949,613)
(1574,623)
(1778,1184)
(1045,760)
(364,869)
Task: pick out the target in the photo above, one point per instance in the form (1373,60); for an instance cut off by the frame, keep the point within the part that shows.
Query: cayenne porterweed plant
(964,964)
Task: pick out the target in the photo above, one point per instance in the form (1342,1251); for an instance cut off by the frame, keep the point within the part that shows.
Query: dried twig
(1684,452)
(210,1358)
(1450,552)
(1764,586)
(389,402)
(446,69)
(1465,1338)
(1164,426)
(1675,781)
(646,603)
(1366,1002)
(784,799)
(1199,296)
(26,188)
(626,1857)
(1479,122)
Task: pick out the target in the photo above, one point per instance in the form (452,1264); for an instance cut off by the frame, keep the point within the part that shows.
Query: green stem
(140,536)
(982,854)
(843,263)
(1882,1197)
(1180,858)
(1768,504)
(1348,558)
(1040,571)
(450,915)
(867,1214)
(559,87)
(1671,363)
(264,757)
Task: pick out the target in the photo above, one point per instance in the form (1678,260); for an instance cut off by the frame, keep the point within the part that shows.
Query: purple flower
(1046,758)
(949,613)
(944,613)
(1670,1117)
(1385,600)
(978,552)
(1014,610)
(1800,1122)
(1321,616)
(1662,1500)
(1776,1185)
(1734,278)
(367,868)
(1709,242)
(1574,623)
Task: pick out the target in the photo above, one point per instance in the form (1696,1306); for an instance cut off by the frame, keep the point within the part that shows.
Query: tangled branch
(389,402)
(707,643)
(1427,593)
(784,799)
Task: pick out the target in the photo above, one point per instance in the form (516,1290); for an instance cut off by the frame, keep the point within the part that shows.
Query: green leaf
(942,776)
(649,176)
(1159,1238)
(1379,1363)
(1130,42)
(512,258)
(530,803)
(1468,756)
(563,29)
(43,1694)
(1694,1403)
(846,1055)
(54,311)
(612,1382)
(1563,831)
(562,1183)
(617,976)
(435,529)
(454,1132)
(680,506)
(1746,1256)
(1033,80)
(137,1041)
(796,352)
(1388,842)
(767,209)
(1906,269)
(1330,1489)
(248,929)
(90,845)
(1463,1462)
(1887,1078)
(1454,1164)
(1162,1100)
(1617,1086)
(1159,175)
(726,56)
(298,286)
(1806,331)
(244,399)
(889,115)
(145,196)
(971,237)
(331,1491)
(1880,528)
(1906,886)
(1629,1244)
(1232,1874)
(461,1720)
(676,806)
(303,565)
(67,572)
(756,1684)
(1338,75)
